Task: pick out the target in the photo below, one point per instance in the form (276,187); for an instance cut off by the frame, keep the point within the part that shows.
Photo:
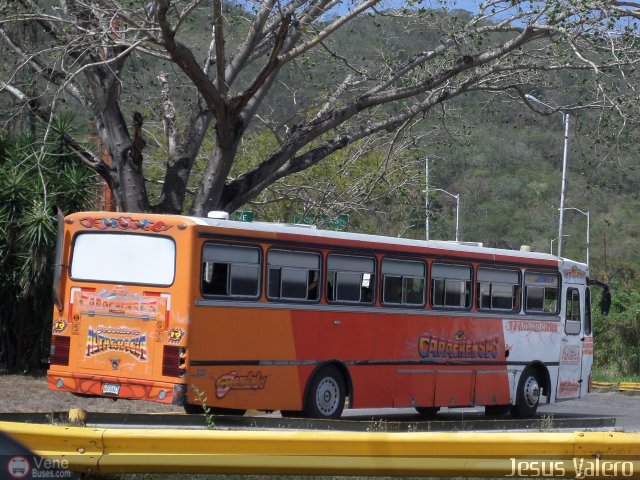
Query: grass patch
(601,375)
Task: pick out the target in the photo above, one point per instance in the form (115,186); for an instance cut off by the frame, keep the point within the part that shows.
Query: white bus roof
(360,237)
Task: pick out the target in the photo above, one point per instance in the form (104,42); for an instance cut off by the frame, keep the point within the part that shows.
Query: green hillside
(504,160)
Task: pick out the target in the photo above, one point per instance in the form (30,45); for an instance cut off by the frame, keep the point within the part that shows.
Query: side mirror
(57,265)
(605,302)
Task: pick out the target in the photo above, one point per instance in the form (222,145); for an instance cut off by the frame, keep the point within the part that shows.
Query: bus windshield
(124,258)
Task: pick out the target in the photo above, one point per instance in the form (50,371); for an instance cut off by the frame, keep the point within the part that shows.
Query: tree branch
(183,57)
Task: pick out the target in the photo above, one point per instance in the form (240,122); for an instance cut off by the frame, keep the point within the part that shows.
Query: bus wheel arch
(326,390)
(534,382)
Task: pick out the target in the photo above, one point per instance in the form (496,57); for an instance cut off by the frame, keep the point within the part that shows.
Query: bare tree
(507,46)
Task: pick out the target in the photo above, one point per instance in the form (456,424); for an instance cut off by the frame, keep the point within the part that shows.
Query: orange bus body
(159,336)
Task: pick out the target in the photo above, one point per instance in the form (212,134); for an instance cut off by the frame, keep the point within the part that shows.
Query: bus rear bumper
(117,387)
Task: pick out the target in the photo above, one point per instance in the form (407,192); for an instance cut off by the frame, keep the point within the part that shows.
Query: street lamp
(565,118)
(426,202)
(588,215)
(457,197)
(553,240)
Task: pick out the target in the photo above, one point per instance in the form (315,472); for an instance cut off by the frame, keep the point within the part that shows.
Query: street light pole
(457,217)
(457,197)
(551,243)
(588,215)
(565,154)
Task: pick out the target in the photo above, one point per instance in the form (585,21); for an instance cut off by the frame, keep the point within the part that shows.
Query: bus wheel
(326,394)
(291,413)
(427,412)
(199,410)
(227,411)
(193,409)
(528,395)
(496,410)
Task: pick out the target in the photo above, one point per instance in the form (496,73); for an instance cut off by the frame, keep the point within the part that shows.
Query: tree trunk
(209,195)
(181,160)
(126,159)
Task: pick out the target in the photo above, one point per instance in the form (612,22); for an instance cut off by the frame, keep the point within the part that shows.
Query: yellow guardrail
(629,387)
(619,386)
(100,450)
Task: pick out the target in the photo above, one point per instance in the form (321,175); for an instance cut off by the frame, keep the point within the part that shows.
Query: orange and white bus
(264,316)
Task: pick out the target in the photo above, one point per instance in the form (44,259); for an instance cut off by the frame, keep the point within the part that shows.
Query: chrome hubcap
(531,391)
(327,396)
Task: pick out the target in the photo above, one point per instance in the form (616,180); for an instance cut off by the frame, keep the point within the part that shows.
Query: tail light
(60,347)
(174,361)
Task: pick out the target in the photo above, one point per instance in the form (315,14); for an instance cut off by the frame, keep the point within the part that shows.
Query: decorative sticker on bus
(587,346)
(233,381)
(59,326)
(532,326)
(122,339)
(567,388)
(574,272)
(571,355)
(541,279)
(124,223)
(120,302)
(176,335)
(458,347)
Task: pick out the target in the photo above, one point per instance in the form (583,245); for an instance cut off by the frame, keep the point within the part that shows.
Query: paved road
(625,409)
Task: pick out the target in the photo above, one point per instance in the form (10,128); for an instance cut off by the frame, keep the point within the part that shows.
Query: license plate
(111,389)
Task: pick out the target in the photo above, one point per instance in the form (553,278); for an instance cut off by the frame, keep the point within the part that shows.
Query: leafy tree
(617,337)
(249,73)
(35,176)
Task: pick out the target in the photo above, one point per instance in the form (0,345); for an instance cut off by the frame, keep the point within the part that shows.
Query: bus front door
(570,368)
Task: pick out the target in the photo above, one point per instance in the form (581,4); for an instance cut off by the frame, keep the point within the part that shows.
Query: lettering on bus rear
(104,339)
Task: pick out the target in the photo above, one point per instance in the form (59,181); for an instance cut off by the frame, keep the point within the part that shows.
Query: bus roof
(280,228)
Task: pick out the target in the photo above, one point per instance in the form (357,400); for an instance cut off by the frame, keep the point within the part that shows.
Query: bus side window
(572,312)
(587,311)
(498,289)
(230,271)
(293,275)
(403,282)
(215,281)
(541,293)
(450,286)
(350,278)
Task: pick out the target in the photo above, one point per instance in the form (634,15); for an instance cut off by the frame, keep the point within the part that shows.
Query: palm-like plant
(34,177)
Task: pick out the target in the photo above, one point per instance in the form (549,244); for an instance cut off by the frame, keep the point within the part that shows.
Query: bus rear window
(124,258)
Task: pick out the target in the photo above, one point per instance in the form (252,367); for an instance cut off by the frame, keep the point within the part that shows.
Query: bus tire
(427,412)
(326,394)
(291,413)
(496,410)
(193,409)
(528,394)
(227,411)
(199,410)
